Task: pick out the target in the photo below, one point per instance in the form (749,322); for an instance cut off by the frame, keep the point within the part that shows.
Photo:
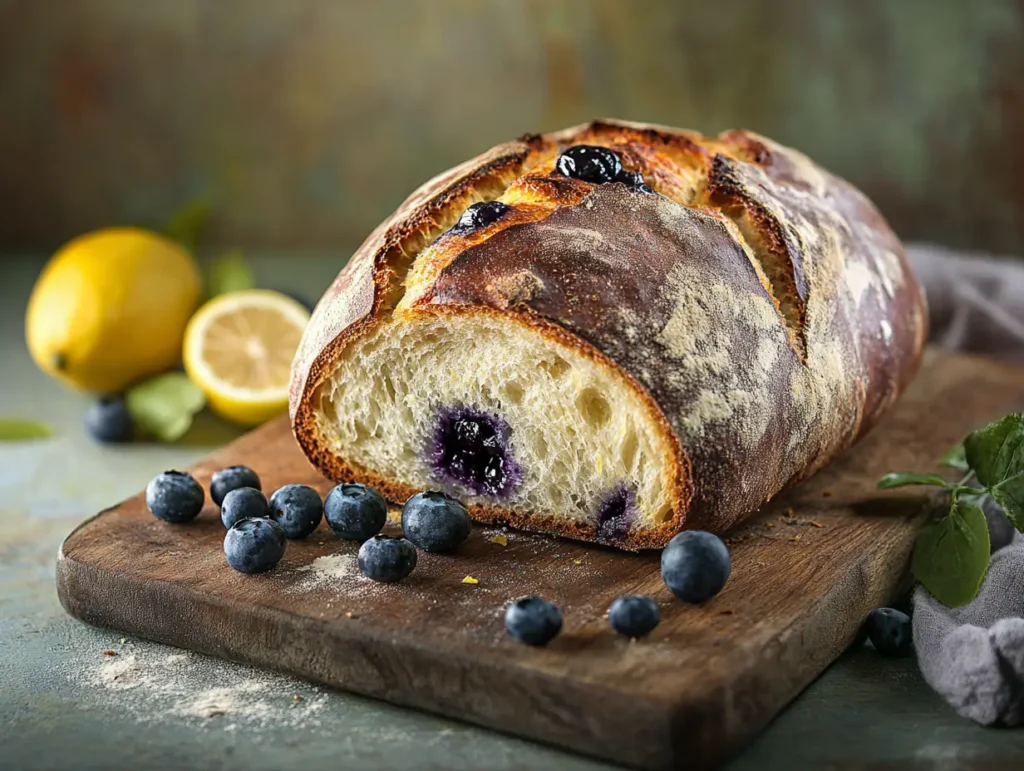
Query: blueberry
(243,503)
(296,508)
(231,478)
(889,631)
(533,620)
(355,512)
(589,163)
(634,615)
(695,565)
(435,522)
(470,448)
(1000,528)
(387,559)
(479,215)
(107,420)
(254,545)
(634,180)
(174,496)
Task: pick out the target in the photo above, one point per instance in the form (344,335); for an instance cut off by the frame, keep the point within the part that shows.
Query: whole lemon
(111,307)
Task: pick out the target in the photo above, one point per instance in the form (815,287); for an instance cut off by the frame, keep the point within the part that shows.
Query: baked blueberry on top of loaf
(612,333)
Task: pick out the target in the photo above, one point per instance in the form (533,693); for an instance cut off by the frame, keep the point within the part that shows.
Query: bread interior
(581,443)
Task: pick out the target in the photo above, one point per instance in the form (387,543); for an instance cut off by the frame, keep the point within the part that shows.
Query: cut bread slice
(507,418)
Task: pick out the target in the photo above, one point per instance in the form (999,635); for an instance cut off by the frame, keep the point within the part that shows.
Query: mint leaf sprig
(951,554)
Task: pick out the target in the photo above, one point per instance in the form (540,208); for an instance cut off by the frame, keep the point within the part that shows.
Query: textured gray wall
(311,119)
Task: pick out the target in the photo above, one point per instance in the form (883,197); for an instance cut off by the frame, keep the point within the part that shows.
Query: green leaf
(187,224)
(165,405)
(228,273)
(898,479)
(996,455)
(955,458)
(20,430)
(951,555)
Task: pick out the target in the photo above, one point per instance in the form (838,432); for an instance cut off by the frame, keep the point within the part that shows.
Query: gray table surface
(64,704)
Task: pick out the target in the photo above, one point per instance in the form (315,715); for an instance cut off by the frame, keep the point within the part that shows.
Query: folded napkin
(974,656)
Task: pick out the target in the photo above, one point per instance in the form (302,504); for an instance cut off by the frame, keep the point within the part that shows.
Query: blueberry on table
(435,522)
(533,620)
(386,559)
(355,512)
(174,496)
(889,631)
(107,420)
(1000,528)
(589,163)
(254,545)
(695,565)
(296,508)
(243,503)
(634,615)
(231,478)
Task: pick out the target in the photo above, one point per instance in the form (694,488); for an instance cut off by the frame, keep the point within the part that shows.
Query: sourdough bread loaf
(611,354)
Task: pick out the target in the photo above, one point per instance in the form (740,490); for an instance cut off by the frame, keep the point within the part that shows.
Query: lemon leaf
(20,430)
(165,405)
(187,224)
(228,273)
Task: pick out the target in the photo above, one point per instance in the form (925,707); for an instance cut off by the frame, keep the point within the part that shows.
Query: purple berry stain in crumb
(469,447)
(615,515)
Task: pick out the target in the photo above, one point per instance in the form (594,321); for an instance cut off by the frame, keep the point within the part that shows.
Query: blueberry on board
(889,631)
(435,522)
(174,496)
(296,508)
(479,215)
(254,545)
(107,420)
(533,620)
(243,503)
(387,559)
(634,615)
(695,565)
(355,512)
(231,478)
(1000,528)
(589,163)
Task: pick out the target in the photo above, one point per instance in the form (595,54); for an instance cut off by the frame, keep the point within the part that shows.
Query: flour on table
(155,685)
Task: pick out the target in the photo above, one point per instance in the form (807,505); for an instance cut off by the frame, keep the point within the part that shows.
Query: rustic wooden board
(805,573)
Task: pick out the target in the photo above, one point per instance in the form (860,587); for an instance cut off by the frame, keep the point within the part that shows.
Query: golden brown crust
(760,306)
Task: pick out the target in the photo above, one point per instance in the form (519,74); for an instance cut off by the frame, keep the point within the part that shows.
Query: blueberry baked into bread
(611,333)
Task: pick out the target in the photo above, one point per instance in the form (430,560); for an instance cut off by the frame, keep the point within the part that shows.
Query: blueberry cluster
(694,565)
(258,529)
(599,166)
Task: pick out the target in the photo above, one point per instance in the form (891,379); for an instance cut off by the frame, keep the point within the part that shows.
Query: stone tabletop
(76,697)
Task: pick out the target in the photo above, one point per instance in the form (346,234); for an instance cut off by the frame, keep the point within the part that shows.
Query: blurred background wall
(309,120)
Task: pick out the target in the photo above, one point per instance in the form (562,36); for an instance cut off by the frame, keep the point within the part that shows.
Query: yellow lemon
(239,349)
(111,307)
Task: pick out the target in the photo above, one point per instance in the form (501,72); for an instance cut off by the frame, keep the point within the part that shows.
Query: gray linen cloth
(974,656)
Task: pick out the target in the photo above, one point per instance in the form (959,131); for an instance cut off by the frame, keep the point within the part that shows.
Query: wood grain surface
(806,571)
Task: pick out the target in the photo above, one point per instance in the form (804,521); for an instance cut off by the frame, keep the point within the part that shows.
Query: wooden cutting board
(805,573)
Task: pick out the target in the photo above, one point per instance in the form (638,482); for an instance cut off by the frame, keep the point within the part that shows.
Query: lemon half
(239,349)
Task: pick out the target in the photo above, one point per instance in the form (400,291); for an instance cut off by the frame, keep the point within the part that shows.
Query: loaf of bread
(611,333)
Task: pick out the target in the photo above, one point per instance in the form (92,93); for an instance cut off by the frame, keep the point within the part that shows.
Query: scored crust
(760,306)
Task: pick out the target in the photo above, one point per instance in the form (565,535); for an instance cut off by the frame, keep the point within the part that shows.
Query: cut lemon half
(239,349)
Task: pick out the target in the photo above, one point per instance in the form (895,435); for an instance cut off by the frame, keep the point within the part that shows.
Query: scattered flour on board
(329,570)
(152,685)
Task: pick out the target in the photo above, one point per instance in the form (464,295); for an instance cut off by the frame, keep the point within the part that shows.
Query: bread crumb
(296,697)
(350,614)
(109,653)
(812,523)
(795,538)
(726,612)
(499,539)
(469,580)
(577,562)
